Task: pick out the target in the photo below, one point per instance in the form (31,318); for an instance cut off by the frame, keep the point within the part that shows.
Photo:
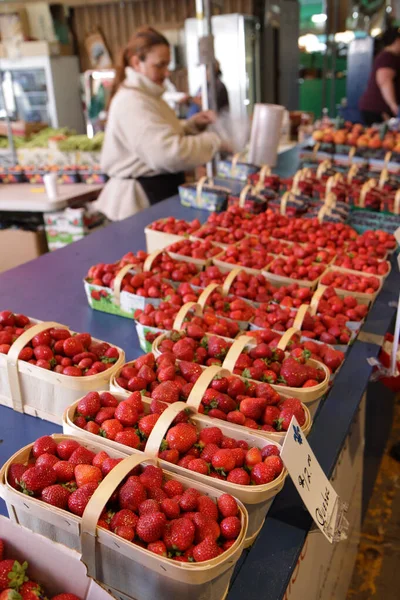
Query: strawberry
(253,456)
(125,518)
(293,373)
(1,550)
(150,527)
(208,452)
(286,415)
(216,347)
(181,535)
(183,350)
(188,501)
(65,597)
(190,371)
(262,474)
(271,415)
(181,437)
(156,493)
(46,460)
(81,456)
(205,527)
(227,505)
(64,471)
(211,435)
(236,417)
(35,479)
(198,465)
(276,463)
(105,414)
(89,405)
(15,472)
(173,488)
(131,495)
(128,437)
(151,477)
(239,477)
(126,414)
(207,507)
(135,400)
(56,495)
(223,461)
(31,590)
(170,507)
(167,392)
(110,428)
(79,499)
(158,548)
(252,408)
(171,456)
(269,450)
(148,506)
(87,474)
(10,594)
(206,550)
(44,445)
(230,528)
(12,574)
(127,533)
(146,425)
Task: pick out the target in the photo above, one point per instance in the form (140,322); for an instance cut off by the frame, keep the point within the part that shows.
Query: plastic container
(256,498)
(41,393)
(124,566)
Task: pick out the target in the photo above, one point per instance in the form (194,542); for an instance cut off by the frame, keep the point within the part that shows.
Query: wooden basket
(158,240)
(362,274)
(256,498)
(41,393)
(306,395)
(124,566)
(361,297)
(227,267)
(280,280)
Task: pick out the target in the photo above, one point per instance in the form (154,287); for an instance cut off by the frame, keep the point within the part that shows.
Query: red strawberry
(207,507)
(105,414)
(1,550)
(182,437)
(108,399)
(127,533)
(158,548)
(205,527)
(146,425)
(188,501)
(135,400)
(89,405)
(167,391)
(275,462)
(181,535)
(150,527)
(56,495)
(239,476)
(227,506)
(198,465)
(81,456)
(156,493)
(65,597)
(223,461)
(170,508)
(216,346)
(293,373)
(271,415)
(236,417)
(131,495)
(43,445)
(173,488)
(79,499)
(46,460)
(253,457)
(35,479)
(128,437)
(211,435)
(110,428)
(125,518)
(87,474)
(230,528)
(252,408)
(64,471)
(12,574)
(149,506)
(151,477)
(108,465)
(208,452)
(126,414)
(31,590)
(171,456)
(15,472)
(262,474)
(190,371)
(206,550)
(286,415)
(183,350)
(269,450)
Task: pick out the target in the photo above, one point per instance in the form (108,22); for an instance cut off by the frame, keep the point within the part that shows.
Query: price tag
(321,500)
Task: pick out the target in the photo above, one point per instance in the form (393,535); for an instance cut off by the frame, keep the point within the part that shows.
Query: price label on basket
(321,500)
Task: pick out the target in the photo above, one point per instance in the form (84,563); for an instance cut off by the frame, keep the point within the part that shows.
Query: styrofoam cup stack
(265,134)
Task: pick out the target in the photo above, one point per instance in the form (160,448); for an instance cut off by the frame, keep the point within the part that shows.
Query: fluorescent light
(355,15)
(103,75)
(376,31)
(319,18)
(344,36)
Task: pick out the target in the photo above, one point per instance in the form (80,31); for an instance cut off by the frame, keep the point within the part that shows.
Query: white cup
(50,184)
(265,134)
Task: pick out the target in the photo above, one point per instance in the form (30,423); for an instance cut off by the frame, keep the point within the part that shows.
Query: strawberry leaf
(246,373)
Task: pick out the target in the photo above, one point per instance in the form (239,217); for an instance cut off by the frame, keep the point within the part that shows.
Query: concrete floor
(377,572)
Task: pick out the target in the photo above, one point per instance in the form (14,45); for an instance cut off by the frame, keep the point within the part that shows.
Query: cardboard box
(70,225)
(56,567)
(18,246)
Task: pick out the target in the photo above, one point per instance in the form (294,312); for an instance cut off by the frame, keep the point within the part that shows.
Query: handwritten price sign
(317,493)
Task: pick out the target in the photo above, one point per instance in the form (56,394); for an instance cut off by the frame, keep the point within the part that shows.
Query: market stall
(284,556)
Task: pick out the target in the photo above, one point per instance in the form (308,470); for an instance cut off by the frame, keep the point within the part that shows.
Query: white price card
(321,500)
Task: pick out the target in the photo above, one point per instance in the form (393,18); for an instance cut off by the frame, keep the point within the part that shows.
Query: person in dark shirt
(222,98)
(381,99)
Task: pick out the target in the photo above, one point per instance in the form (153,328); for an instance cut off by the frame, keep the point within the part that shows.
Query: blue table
(51,287)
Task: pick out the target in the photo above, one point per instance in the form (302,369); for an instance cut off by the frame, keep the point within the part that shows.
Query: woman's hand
(203,118)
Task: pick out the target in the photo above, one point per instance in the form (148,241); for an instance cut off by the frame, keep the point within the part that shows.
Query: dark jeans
(160,187)
(370,117)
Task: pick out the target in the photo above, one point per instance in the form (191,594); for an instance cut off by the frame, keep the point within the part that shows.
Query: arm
(385,80)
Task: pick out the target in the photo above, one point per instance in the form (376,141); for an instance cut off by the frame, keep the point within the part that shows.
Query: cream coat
(144,138)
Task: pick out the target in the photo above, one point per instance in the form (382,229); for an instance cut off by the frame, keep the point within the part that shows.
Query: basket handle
(157,342)
(284,200)
(387,158)
(301,313)
(201,385)
(383,178)
(315,149)
(298,176)
(229,279)
(183,311)
(12,360)
(368,185)
(322,212)
(206,293)
(396,206)
(235,160)
(324,166)
(200,184)
(118,282)
(159,430)
(352,172)
(96,504)
(330,200)
(243,195)
(235,351)
(148,263)
(287,336)
(352,152)
(265,171)
(315,299)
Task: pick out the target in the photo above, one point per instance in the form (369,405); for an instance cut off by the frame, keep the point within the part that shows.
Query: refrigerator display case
(43,89)
(237,49)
